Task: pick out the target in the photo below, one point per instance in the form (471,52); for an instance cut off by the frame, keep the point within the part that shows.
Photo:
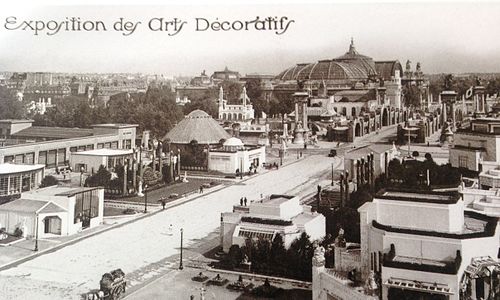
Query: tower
(393,90)
(301,130)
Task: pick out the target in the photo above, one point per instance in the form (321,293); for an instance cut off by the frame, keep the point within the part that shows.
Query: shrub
(49,180)
(18,232)
(129,211)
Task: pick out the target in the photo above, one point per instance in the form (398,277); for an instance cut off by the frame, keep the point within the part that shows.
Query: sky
(444,37)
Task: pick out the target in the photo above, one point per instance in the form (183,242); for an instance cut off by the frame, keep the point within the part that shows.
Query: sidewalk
(23,251)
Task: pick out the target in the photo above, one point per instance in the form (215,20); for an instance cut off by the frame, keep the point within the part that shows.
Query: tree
(234,257)
(256,95)
(300,256)
(10,107)
(101,178)
(232,91)
(276,255)
(49,180)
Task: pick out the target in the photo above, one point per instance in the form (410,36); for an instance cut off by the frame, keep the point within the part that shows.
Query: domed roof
(350,66)
(198,113)
(233,142)
(197,126)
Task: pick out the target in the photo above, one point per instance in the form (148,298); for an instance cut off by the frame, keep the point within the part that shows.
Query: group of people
(243,200)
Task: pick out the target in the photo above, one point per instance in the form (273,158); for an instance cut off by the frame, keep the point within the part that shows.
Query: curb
(76,240)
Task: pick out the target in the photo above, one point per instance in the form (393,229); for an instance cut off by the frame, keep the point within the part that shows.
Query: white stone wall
(326,286)
(433,217)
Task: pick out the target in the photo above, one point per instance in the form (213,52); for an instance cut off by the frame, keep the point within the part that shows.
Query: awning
(414,285)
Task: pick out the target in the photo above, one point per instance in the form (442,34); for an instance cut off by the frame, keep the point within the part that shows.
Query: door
(52,225)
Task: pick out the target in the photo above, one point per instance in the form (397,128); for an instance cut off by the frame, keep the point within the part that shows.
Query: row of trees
(462,84)
(272,258)
(154,110)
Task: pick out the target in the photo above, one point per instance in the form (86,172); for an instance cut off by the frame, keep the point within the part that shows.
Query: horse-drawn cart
(112,286)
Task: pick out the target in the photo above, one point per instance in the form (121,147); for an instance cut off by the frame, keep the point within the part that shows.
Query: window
(100,146)
(42,157)
(462,162)
(86,205)
(61,157)
(73,149)
(51,158)
(29,158)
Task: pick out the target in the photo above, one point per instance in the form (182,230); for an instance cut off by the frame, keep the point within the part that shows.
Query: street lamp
(241,168)
(36,234)
(145,198)
(82,170)
(180,264)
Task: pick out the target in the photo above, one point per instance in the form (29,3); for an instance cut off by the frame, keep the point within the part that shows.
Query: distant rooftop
(105,152)
(16,121)
(8,168)
(53,132)
(115,125)
(31,206)
(58,191)
(418,196)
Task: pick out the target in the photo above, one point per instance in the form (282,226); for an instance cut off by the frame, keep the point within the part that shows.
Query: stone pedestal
(299,136)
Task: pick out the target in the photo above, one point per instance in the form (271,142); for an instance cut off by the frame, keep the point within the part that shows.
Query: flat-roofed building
(427,245)
(52,146)
(478,143)
(91,160)
(54,211)
(234,156)
(276,214)
(15,179)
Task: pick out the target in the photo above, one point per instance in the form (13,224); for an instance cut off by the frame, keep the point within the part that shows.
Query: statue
(340,240)
(408,65)
(319,257)
(478,81)
(300,85)
(448,82)
(371,285)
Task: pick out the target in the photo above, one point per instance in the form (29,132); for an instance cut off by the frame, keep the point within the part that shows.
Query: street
(76,269)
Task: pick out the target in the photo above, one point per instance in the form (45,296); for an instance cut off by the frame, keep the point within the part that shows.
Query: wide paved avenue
(77,268)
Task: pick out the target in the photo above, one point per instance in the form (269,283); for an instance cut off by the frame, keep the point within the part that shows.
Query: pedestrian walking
(300,153)
(163,203)
(241,201)
(201,189)
(245,201)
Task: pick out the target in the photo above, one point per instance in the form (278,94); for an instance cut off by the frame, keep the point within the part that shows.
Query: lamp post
(145,198)
(36,234)
(332,174)
(241,168)
(182,236)
(82,170)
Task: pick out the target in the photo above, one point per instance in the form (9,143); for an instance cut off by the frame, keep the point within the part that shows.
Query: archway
(357,130)
(353,111)
(229,116)
(385,118)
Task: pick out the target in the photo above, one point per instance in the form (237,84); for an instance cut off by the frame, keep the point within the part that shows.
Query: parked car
(333,153)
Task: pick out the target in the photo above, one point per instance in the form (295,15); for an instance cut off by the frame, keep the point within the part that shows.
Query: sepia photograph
(289,150)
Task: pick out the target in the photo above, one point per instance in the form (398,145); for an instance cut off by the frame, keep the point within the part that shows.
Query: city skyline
(425,33)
